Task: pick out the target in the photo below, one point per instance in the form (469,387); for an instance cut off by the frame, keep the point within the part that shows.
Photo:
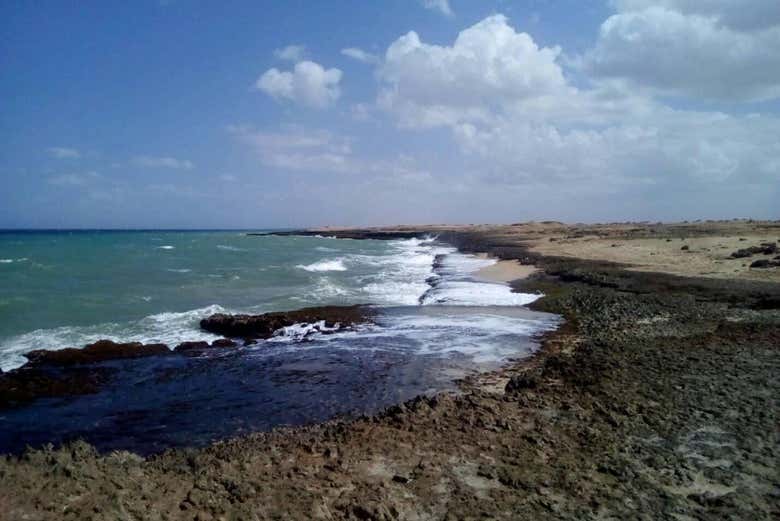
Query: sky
(256,114)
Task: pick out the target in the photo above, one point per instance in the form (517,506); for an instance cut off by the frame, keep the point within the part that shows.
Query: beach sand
(505,271)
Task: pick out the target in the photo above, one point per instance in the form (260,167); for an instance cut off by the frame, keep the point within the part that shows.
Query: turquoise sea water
(81,278)
(435,322)
(60,288)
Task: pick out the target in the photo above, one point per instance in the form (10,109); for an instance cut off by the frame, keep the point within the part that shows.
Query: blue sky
(191,113)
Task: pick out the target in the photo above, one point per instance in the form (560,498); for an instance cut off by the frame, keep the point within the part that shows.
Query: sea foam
(324,265)
(169,328)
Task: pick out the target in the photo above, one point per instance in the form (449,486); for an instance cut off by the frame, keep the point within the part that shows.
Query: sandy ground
(705,256)
(505,271)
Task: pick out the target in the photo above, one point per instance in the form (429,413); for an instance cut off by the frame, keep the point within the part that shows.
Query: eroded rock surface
(252,327)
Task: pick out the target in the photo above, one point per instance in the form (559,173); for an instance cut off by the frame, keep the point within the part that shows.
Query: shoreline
(571,436)
(505,271)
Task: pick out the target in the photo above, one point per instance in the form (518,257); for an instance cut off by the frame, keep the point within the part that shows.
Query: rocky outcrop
(252,327)
(100,351)
(27,384)
(67,372)
(73,371)
(764,264)
(766,248)
(221,343)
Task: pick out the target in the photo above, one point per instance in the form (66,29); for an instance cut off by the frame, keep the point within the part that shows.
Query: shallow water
(435,323)
(155,403)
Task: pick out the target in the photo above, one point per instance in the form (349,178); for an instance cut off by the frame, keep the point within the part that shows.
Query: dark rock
(100,351)
(191,346)
(764,263)
(766,248)
(263,326)
(27,384)
(521,382)
(223,342)
(685,248)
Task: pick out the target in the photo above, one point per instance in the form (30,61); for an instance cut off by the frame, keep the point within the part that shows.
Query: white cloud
(80,179)
(298,149)
(64,152)
(360,55)
(163,162)
(292,53)
(737,14)
(692,49)
(519,124)
(442,6)
(308,83)
(488,65)
(295,149)
(361,112)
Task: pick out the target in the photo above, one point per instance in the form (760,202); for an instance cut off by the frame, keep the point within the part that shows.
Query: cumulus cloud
(737,14)
(360,55)
(291,53)
(520,124)
(706,49)
(308,84)
(64,152)
(163,162)
(488,65)
(442,6)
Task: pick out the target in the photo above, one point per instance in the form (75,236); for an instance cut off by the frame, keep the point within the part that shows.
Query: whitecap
(182,270)
(326,289)
(166,247)
(229,248)
(169,328)
(6,261)
(471,293)
(302,331)
(324,265)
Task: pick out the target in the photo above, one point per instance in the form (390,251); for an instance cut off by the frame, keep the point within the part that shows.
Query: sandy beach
(656,399)
(506,271)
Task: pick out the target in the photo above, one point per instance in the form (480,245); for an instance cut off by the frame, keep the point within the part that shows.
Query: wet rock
(27,384)
(250,327)
(223,342)
(59,373)
(191,346)
(100,351)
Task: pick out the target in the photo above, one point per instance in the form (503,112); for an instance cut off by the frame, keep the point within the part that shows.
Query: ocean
(437,322)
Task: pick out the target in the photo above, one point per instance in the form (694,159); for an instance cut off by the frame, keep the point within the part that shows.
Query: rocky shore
(657,399)
(75,371)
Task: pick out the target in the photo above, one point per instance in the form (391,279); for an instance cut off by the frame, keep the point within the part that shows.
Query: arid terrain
(656,399)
